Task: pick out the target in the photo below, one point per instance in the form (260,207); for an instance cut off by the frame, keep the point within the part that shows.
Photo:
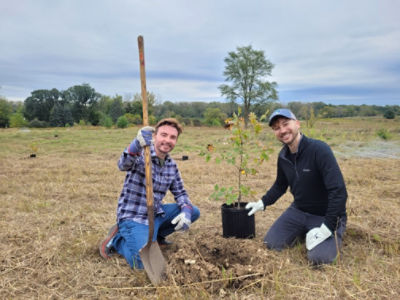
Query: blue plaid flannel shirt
(132,200)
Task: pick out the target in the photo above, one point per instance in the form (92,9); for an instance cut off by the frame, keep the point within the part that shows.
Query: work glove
(143,138)
(254,206)
(316,236)
(183,219)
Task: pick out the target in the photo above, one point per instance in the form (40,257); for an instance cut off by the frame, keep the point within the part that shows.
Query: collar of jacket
(304,141)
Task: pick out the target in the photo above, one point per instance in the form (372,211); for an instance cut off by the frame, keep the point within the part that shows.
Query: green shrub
(122,122)
(214,117)
(197,122)
(152,120)
(35,123)
(137,119)
(17,120)
(187,121)
(389,114)
(107,122)
(384,134)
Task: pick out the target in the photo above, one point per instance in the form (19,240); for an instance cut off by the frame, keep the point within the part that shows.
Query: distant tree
(161,110)
(94,115)
(5,113)
(389,114)
(261,109)
(134,119)
(367,111)
(105,120)
(214,117)
(60,116)
(152,120)
(17,120)
(317,106)
(310,118)
(39,104)
(81,97)
(116,108)
(151,101)
(104,104)
(133,107)
(247,69)
(197,122)
(298,109)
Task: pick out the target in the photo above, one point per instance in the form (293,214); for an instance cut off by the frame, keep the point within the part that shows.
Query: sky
(336,52)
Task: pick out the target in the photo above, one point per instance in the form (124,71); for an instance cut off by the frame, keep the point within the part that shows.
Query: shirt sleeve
(126,161)
(177,189)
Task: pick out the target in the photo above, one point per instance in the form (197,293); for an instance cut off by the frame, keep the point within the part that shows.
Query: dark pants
(294,224)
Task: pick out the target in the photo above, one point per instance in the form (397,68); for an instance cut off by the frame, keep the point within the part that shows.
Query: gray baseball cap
(281,112)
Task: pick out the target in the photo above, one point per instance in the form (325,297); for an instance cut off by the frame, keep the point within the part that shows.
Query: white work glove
(316,236)
(144,136)
(255,206)
(183,219)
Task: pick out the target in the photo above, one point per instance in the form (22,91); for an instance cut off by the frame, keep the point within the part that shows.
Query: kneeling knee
(273,245)
(195,214)
(318,258)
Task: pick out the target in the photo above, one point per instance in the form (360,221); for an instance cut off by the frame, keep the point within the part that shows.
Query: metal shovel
(151,255)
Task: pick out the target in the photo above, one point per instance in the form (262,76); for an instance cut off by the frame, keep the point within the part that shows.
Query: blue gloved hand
(143,138)
(184,219)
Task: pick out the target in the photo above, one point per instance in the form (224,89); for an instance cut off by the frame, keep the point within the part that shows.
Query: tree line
(81,104)
(247,87)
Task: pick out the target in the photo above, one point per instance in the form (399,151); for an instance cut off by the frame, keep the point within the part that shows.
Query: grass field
(56,208)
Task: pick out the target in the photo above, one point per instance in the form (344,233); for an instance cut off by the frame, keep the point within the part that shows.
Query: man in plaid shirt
(130,233)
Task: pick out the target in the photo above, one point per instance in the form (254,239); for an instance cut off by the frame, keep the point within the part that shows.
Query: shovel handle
(149,180)
(143,81)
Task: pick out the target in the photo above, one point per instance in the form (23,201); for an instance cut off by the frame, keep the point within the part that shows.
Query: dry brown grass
(55,209)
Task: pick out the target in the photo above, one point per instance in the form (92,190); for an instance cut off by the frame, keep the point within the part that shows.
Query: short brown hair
(171,122)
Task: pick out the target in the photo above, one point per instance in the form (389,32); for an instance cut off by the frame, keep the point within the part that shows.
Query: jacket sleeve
(334,183)
(278,188)
(126,161)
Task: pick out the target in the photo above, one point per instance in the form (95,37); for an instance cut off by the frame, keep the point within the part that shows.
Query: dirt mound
(213,261)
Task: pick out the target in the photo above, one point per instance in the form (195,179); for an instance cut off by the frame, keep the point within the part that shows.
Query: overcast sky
(338,52)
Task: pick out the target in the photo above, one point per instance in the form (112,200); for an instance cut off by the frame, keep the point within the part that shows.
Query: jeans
(294,224)
(133,236)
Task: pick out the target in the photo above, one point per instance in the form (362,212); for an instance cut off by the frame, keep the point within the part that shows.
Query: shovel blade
(154,262)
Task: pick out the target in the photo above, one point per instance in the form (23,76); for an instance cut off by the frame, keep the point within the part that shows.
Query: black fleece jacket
(314,178)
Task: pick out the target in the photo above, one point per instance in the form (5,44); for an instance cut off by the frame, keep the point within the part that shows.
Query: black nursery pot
(236,223)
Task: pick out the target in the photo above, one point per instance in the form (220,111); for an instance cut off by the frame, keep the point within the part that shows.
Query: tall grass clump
(384,134)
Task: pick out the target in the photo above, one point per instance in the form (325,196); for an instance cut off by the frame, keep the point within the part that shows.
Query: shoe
(163,242)
(106,250)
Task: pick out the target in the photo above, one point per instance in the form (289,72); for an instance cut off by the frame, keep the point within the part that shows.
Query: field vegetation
(56,207)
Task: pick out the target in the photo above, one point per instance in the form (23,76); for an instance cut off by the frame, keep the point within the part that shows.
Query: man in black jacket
(318,211)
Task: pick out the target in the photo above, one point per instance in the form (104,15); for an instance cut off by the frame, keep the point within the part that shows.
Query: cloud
(315,46)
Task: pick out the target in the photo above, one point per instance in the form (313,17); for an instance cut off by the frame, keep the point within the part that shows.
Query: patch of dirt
(214,261)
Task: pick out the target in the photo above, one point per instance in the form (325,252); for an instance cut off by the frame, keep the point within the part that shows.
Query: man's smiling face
(165,140)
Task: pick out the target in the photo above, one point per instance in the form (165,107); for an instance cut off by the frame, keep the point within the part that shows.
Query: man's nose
(169,140)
